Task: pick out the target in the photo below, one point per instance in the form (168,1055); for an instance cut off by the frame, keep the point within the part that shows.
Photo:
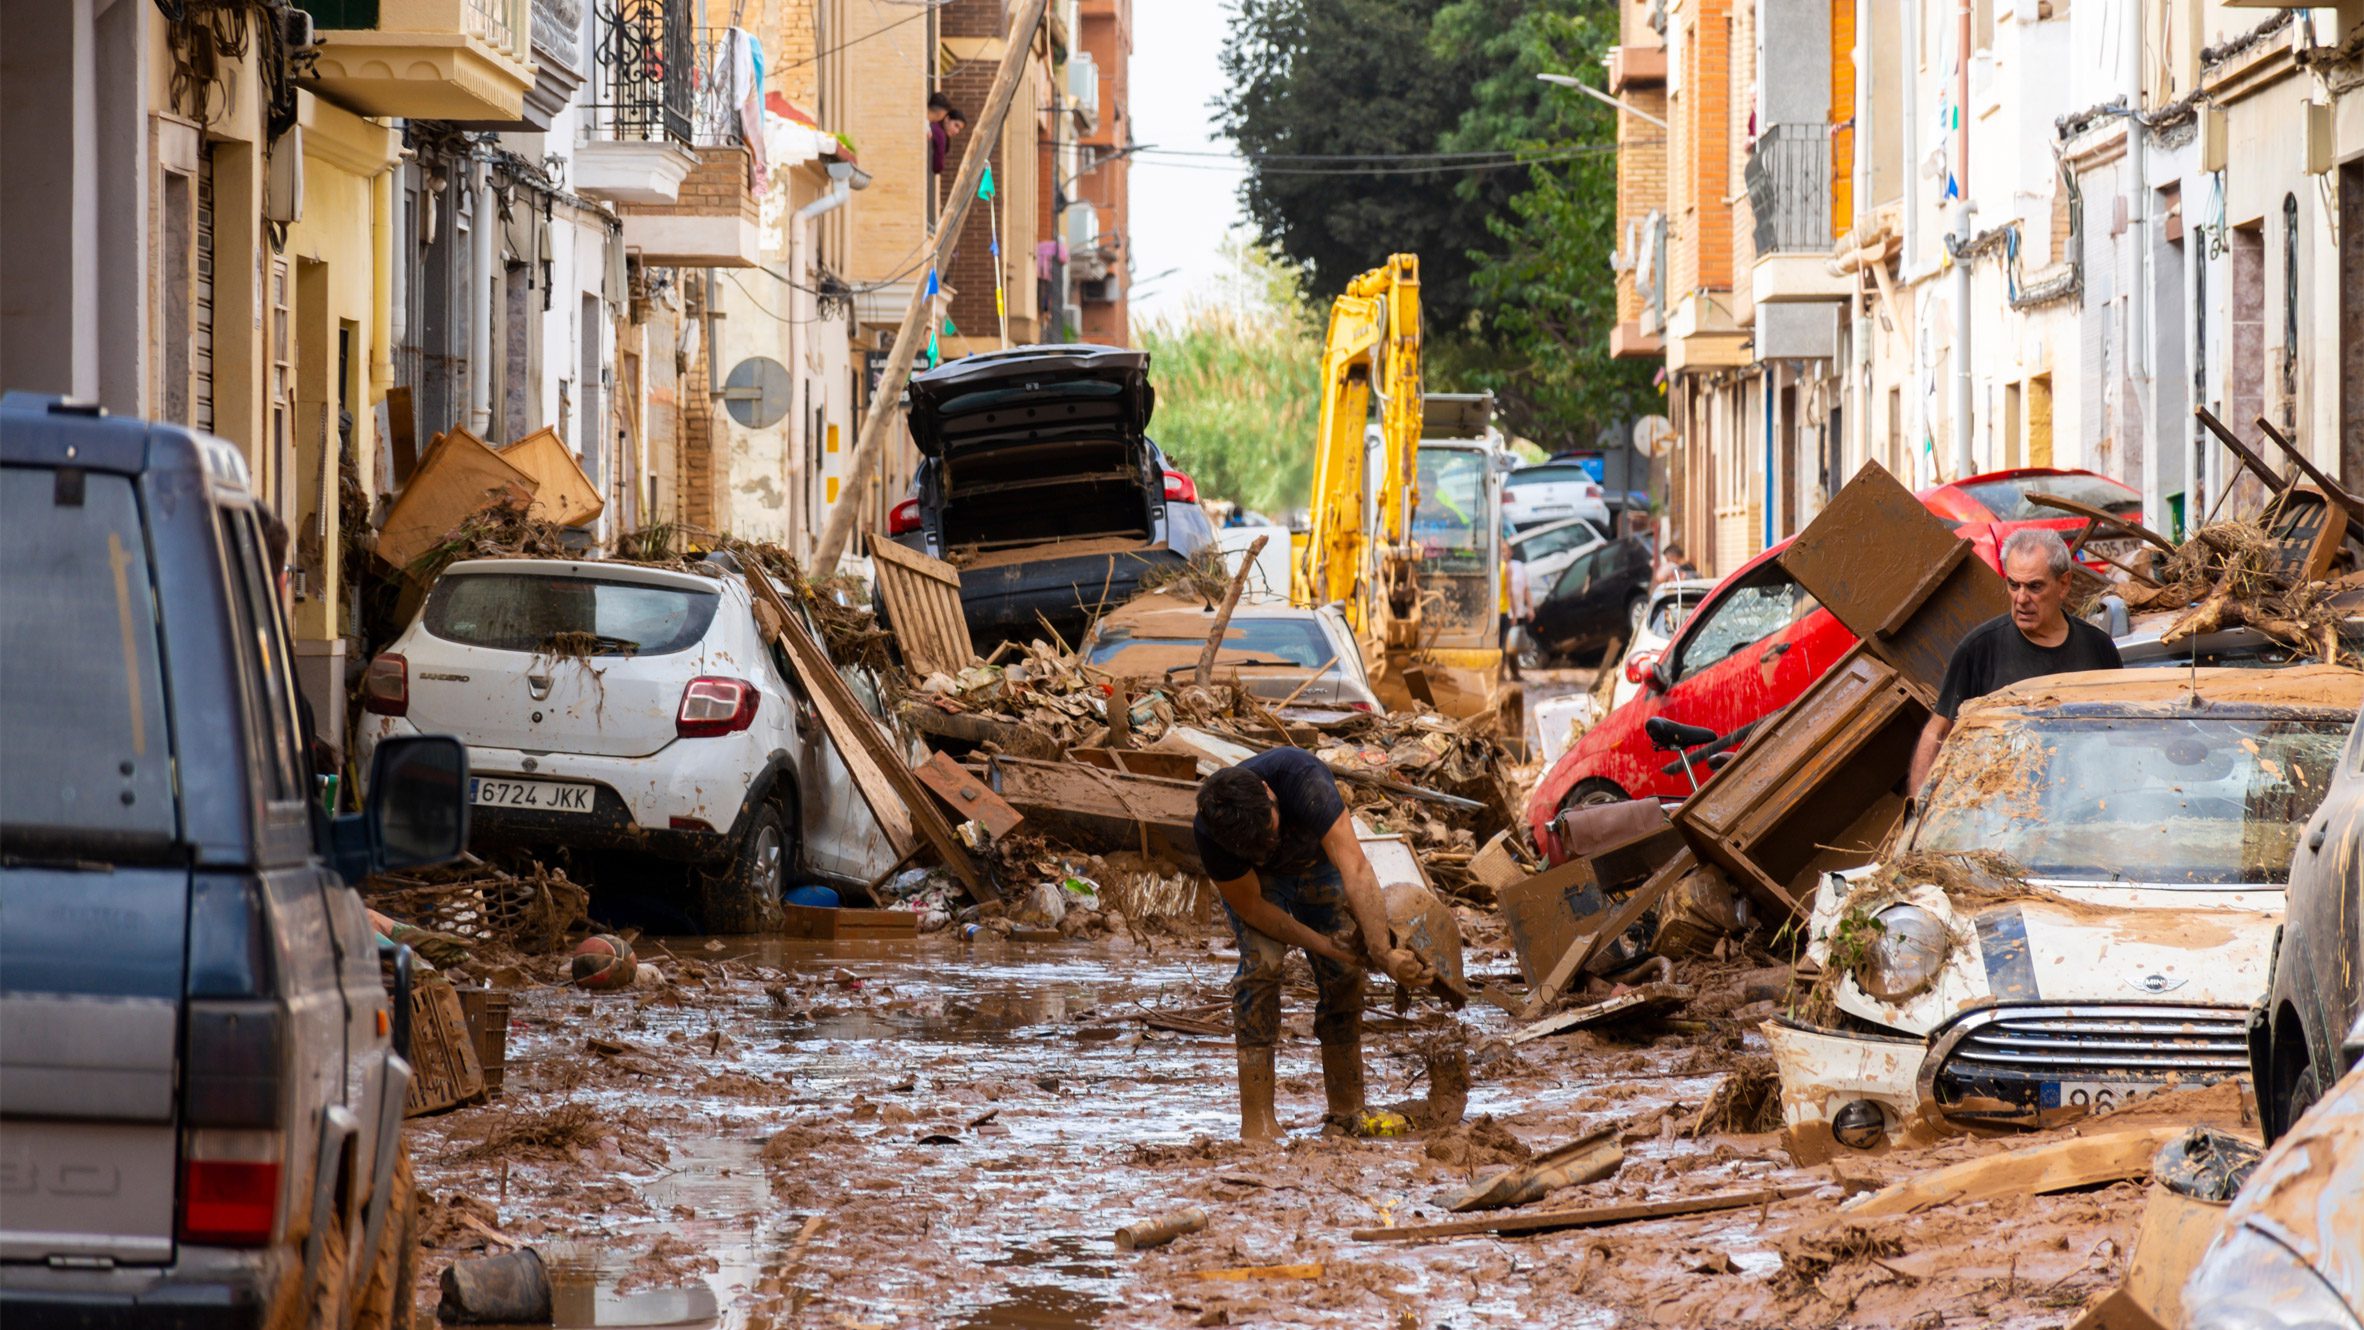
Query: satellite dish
(1652,436)
(758,392)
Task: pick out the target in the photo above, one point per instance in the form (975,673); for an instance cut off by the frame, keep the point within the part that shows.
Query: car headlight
(1904,956)
(2248,1281)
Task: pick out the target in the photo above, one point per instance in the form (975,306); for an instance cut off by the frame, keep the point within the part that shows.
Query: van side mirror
(416,814)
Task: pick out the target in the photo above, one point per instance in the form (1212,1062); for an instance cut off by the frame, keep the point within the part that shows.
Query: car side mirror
(416,815)
(1660,679)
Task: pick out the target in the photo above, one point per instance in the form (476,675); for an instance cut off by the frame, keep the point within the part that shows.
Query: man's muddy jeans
(1316,900)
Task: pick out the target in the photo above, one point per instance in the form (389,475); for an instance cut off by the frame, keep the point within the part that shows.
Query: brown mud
(928,1133)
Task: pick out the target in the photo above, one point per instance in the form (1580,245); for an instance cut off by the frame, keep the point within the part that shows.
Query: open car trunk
(1038,492)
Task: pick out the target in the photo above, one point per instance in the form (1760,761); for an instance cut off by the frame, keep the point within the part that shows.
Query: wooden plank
(2348,503)
(402,426)
(967,796)
(1649,999)
(810,921)
(923,607)
(1222,624)
(1598,1216)
(1588,1158)
(1102,810)
(895,796)
(2035,1170)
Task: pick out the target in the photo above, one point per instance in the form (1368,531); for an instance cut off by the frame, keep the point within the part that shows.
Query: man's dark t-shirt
(1995,655)
(1307,796)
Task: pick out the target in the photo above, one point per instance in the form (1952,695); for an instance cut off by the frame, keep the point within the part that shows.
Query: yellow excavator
(1405,525)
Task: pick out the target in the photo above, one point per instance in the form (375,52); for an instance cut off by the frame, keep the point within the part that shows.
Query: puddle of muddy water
(1009,1224)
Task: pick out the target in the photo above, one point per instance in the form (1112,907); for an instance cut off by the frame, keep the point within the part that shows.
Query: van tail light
(1180,488)
(712,706)
(385,686)
(903,518)
(230,1187)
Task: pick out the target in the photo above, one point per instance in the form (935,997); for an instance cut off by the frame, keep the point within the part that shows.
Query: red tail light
(712,706)
(1360,706)
(903,518)
(229,1202)
(1180,488)
(385,686)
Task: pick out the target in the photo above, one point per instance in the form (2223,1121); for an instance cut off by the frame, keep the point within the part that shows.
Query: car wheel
(2296,1087)
(744,895)
(1634,610)
(385,1302)
(1592,792)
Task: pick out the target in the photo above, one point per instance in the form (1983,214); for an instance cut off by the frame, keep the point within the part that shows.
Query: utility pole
(2138,295)
(872,441)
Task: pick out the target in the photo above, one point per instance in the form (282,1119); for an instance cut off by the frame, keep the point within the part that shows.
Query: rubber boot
(1256,1120)
(1342,1083)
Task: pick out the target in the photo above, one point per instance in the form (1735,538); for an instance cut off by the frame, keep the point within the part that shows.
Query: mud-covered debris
(510,1289)
(1589,1158)
(535,908)
(1746,1101)
(554,1133)
(1809,1253)
(1476,1144)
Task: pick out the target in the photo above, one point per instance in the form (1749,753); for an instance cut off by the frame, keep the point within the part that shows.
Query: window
(1550,474)
(281,768)
(1452,498)
(1770,602)
(2134,799)
(2008,501)
(527,612)
(1555,540)
(82,700)
(1288,641)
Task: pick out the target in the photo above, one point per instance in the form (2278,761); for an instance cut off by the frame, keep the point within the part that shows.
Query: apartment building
(1938,240)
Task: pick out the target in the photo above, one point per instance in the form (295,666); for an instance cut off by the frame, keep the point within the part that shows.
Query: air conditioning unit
(1070,327)
(1083,87)
(1083,230)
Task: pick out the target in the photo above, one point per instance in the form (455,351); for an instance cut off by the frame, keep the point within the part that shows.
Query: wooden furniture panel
(1897,576)
(922,598)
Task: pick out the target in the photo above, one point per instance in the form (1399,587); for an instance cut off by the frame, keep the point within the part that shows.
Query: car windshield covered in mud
(2158,800)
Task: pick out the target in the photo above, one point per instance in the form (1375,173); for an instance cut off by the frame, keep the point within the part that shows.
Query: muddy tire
(318,1305)
(743,896)
(387,1291)
(1592,792)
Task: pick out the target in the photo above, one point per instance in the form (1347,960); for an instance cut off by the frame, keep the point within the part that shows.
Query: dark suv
(1037,479)
(200,1089)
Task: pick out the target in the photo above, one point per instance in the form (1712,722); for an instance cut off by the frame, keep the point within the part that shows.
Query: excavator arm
(1358,550)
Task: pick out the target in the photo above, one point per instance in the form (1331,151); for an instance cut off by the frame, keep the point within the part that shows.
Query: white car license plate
(545,796)
(2094,1096)
(1555,510)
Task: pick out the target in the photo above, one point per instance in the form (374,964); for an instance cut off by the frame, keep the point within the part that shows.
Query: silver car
(1306,656)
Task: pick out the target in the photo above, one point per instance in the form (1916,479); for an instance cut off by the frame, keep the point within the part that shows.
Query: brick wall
(1108,36)
(1641,187)
(1014,157)
(1700,243)
(715,187)
(790,41)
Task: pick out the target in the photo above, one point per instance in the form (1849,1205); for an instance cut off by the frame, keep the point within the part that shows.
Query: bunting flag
(985,183)
(935,289)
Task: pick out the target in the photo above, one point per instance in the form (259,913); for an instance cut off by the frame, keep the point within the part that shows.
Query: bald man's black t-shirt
(1307,796)
(1996,655)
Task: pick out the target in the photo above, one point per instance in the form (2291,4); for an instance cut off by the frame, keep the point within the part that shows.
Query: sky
(1181,208)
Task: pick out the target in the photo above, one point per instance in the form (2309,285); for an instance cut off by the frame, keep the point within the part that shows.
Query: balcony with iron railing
(1788,175)
(461,60)
(664,137)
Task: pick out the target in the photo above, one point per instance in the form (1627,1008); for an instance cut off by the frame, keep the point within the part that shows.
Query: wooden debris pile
(537,909)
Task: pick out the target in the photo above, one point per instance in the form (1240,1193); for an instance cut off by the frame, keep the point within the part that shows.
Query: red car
(1759,639)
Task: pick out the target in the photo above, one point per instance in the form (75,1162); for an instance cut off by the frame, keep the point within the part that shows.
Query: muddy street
(930,1134)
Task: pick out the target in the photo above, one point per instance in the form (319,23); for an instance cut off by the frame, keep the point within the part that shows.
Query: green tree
(1236,406)
(1514,260)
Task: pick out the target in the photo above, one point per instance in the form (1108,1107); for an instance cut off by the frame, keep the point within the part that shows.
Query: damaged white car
(2082,911)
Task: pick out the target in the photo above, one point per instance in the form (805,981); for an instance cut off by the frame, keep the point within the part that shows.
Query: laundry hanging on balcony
(738,84)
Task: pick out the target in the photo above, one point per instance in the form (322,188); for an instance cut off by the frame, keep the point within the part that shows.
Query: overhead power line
(1438,168)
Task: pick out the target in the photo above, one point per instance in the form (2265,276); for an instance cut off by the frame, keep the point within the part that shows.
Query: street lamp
(1570,81)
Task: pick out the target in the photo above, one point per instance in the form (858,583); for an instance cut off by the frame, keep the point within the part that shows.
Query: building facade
(1942,241)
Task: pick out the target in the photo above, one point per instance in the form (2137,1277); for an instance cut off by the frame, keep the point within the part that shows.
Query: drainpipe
(2196,496)
(1911,138)
(1772,476)
(1867,142)
(2138,295)
(480,303)
(383,249)
(1965,462)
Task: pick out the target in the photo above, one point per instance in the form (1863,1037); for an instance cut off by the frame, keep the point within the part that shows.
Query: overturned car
(2081,912)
